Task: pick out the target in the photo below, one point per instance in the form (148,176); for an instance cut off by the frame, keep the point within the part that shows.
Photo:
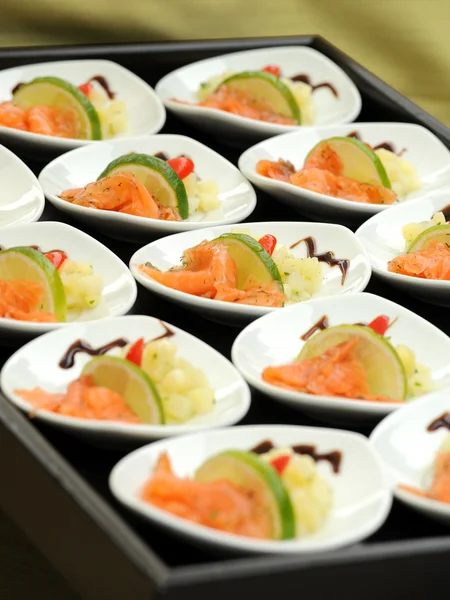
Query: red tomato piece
(183,166)
(86,88)
(380,324)
(273,69)
(268,242)
(280,463)
(57,258)
(136,351)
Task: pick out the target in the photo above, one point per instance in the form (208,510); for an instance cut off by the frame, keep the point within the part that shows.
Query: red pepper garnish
(268,242)
(273,69)
(183,166)
(86,88)
(136,351)
(280,463)
(380,324)
(57,258)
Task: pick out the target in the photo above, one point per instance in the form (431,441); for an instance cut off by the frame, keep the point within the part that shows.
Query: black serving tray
(56,488)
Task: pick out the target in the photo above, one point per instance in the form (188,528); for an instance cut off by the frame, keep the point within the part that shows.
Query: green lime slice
(249,472)
(157,176)
(438,233)
(53,91)
(132,383)
(31,265)
(384,369)
(251,259)
(360,162)
(265,87)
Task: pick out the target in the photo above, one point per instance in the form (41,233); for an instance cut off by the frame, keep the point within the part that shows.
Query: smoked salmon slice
(46,120)
(336,372)
(20,299)
(440,486)
(83,400)
(432,262)
(219,504)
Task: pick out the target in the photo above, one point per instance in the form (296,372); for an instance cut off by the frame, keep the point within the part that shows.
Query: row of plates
(146,107)
(400,449)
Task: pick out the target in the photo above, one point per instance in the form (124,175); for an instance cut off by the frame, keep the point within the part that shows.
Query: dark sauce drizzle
(307,79)
(446,212)
(321,324)
(17,87)
(383,145)
(326,257)
(334,457)
(68,359)
(441,422)
(105,85)
(161,156)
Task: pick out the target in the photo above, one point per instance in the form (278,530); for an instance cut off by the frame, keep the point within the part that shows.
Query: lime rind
(157,176)
(54,91)
(267,88)
(249,472)
(26,263)
(437,233)
(355,154)
(382,364)
(252,260)
(121,375)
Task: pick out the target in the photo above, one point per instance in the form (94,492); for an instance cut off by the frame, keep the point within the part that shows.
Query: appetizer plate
(383,239)
(408,451)
(274,340)
(36,365)
(166,253)
(423,149)
(183,84)
(119,292)
(21,197)
(361,501)
(145,110)
(84,165)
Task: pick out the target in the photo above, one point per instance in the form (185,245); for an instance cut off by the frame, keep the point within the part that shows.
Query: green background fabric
(405,42)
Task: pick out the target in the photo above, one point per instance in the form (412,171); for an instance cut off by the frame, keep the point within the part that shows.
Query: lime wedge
(130,382)
(247,471)
(265,87)
(251,259)
(157,176)
(438,233)
(383,366)
(53,91)
(360,162)
(31,265)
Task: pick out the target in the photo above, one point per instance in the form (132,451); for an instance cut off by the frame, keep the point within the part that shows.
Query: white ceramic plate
(183,84)
(119,292)
(36,364)
(166,253)
(84,165)
(21,197)
(362,496)
(275,340)
(382,237)
(408,451)
(146,112)
(423,149)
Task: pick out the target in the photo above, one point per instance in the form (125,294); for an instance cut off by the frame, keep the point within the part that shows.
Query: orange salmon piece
(206,266)
(219,505)
(53,120)
(281,170)
(239,103)
(316,180)
(440,486)
(12,116)
(20,299)
(265,294)
(120,192)
(432,262)
(83,400)
(336,372)
(325,158)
